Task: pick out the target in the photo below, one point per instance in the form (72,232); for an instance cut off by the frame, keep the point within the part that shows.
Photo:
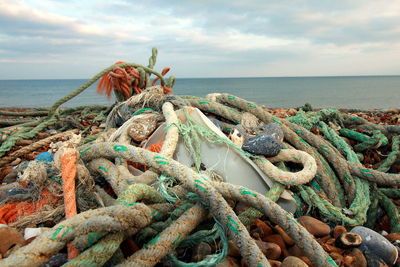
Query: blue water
(322,92)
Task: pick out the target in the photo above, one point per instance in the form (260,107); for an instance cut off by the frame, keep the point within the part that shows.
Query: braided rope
(35,146)
(164,242)
(196,183)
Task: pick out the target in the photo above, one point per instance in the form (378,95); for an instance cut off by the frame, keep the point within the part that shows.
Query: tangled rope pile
(112,199)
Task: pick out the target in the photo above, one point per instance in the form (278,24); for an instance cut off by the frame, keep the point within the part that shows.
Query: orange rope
(68,173)
(156,147)
(125,80)
(153,148)
(12,212)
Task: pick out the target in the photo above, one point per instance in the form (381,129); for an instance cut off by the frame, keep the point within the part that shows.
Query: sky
(50,39)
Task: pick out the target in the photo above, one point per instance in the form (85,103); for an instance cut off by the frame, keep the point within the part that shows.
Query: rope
(35,146)
(284,177)
(102,251)
(50,242)
(219,207)
(98,76)
(25,133)
(385,165)
(163,243)
(68,168)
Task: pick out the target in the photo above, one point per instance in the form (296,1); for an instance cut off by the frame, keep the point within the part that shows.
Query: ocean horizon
(362,92)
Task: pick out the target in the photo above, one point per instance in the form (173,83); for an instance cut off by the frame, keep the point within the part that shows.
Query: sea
(358,92)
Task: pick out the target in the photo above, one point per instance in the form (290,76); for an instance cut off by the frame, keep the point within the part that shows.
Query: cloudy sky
(76,39)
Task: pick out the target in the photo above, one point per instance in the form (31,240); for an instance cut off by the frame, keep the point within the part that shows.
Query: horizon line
(227,77)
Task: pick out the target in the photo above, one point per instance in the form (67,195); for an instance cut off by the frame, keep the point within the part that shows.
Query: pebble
(376,244)
(233,250)
(201,251)
(360,260)
(274,263)
(277,239)
(292,261)
(288,240)
(9,237)
(229,262)
(272,129)
(216,122)
(292,112)
(143,126)
(393,236)
(373,260)
(314,226)
(42,135)
(56,260)
(296,251)
(270,250)
(266,229)
(52,132)
(262,145)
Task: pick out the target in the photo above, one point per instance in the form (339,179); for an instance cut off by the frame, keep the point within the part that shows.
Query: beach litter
(165,180)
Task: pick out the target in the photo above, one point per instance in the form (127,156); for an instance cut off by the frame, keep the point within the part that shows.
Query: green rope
(391,210)
(391,192)
(311,119)
(25,133)
(248,216)
(392,157)
(367,142)
(98,76)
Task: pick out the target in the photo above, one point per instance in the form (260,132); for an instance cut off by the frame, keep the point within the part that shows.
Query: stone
(143,126)
(262,145)
(271,129)
(296,251)
(307,261)
(233,250)
(274,263)
(216,122)
(292,261)
(373,260)
(9,237)
(314,226)
(277,239)
(241,207)
(288,240)
(201,251)
(266,229)
(393,236)
(56,260)
(271,250)
(291,112)
(374,243)
(360,260)
(42,135)
(229,262)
